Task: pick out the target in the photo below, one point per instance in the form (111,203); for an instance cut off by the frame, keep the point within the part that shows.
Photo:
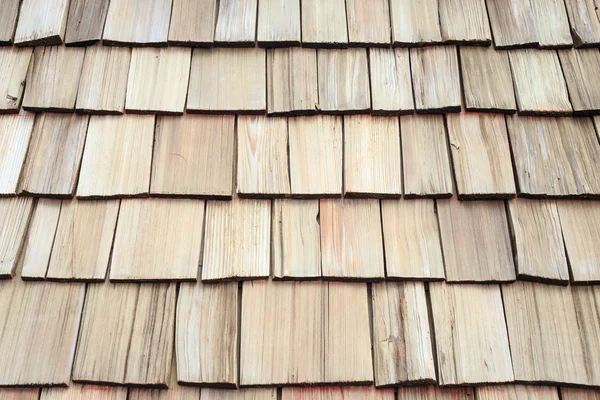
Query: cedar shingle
(278,23)
(137,22)
(464,21)
(513,23)
(390,81)
(415,22)
(236,22)
(41,22)
(86,21)
(15,133)
(324,23)
(14,63)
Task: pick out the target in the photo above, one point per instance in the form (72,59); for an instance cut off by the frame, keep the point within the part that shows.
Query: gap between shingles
(439,231)
(432,329)
(239,332)
(371,325)
(137,298)
(507,330)
(450,157)
(562,70)
(202,241)
(76,181)
(80,323)
(512,157)
(112,245)
(156,125)
(512,237)
(54,236)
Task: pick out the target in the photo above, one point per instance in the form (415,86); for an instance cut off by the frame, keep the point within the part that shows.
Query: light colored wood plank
(580,223)
(9,11)
(54,155)
(158,239)
(137,22)
(76,391)
(236,22)
(278,23)
(513,23)
(315,151)
(351,239)
(390,81)
(207,334)
(193,156)
(436,79)
(425,159)
(262,164)
(552,23)
(434,393)
(539,83)
(40,238)
(481,156)
(581,69)
(83,241)
(401,338)
(538,241)
(117,156)
(41,22)
(193,22)
(241,394)
(158,80)
(296,249)
(415,22)
(103,80)
(15,213)
(15,134)
(336,69)
(324,23)
(470,334)
(587,311)
(555,156)
(237,240)
(39,331)
(579,394)
(518,392)
(19,394)
(174,392)
(475,241)
(14,63)
(585,26)
(464,21)
(86,21)
(487,80)
(412,241)
(368,22)
(336,393)
(292,81)
(227,80)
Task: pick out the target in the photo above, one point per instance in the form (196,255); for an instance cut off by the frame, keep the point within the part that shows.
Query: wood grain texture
(40,238)
(158,80)
(518,392)
(351,239)
(436,81)
(315,151)
(296,248)
(15,134)
(324,23)
(158,239)
(586,300)
(475,241)
(581,69)
(425,158)
(434,393)
(539,83)
(368,22)
(372,160)
(513,23)
(555,157)
(471,339)
(401,336)
(174,392)
(278,23)
(193,156)
(117,156)
(336,393)
(103,81)
(137,22)
(15,213)
(83,241)
(193,22)
(292,81)
(390,81)
(9,11)
(262,164)
(20,394)
(54,155)
(227,80)
(53,78)
(579,394)
(43,318)
(236,22)
(415,22)
(241,394)
(336,69)
(552,23)
(14,63)
(487,80)
(313,333)
(86,21)
(41,22)
(237,240)
(481,156)
(76,391)
(585,25)
(412,241)
(464,21)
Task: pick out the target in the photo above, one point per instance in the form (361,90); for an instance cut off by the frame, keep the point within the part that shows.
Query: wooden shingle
(14,63)
(236,22)
(368,22)
(41,22)
(513,23)
(415,22)
(434,392)
(464,21)
(85,22)
(174,392)
(324,23)
(15,213)
(336,393)
(579,394)
(581,69)
(137,22)
(15,134)
(390,81)
(241,394)
(40,238)
(585,25)
(193,22)
(552,23)
(500,392)
(76,391)
(9,11)
(278,23)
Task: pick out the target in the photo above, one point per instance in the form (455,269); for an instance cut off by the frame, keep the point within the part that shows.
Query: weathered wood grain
(207,334)
(513,23)
(517,392)
(193,22)
(481,156)
(337,393)
(278,23)
(174,392)
(15,134)
(53,78)
(40,238)
(464,21)
(434,393)
(585,25)
(581,69)
(471,339)
(137,22)
(412,241)
(117,156)
(579,394)
(9,11)
(237,240)
(41,22)
(76,391)
(14,63)
(475,241)
(20,394)
(368,22)
(415,22)
(15,213)
(86,21)
(241,394)
(193,156)
(351,239)
(236,22)
(372,160)
(436,81)
(391,85)
(552,23)
(324,23)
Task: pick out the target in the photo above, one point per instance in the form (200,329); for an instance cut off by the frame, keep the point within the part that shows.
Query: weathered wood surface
(391,84)
(278,23)
(41,22)
(15,134)
(415,23)
(85,22)
(137,22)
(15,213)
(324,23)
(14,63)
